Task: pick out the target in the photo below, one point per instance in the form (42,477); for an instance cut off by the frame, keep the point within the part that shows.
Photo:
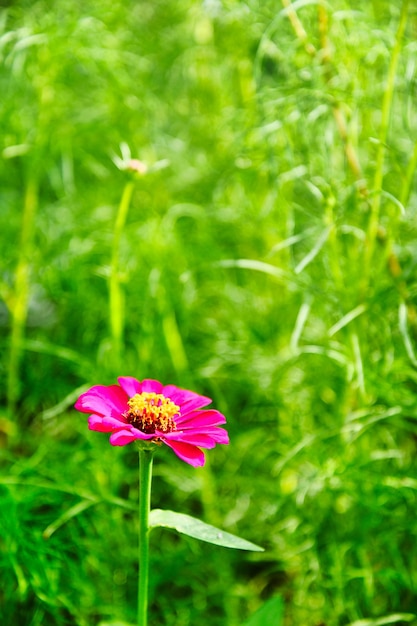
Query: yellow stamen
(150,411)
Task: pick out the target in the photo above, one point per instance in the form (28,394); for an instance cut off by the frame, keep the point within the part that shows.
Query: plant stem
(145,480)
(373,224)
(298,27)
(20,299)
(116,295)
(409,175)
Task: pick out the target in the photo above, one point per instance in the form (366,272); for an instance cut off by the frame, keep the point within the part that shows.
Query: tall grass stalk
(409,177)
(116,296)
(375,208)
(20,298)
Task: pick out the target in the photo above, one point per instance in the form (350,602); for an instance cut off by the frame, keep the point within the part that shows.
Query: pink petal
(122,438)
(187,400)
(130,385)
(104,424)
(198,419)
(151,386)
(196,439)
(218,434)
(141,435)
(95,422)
(102,400)
(187,452)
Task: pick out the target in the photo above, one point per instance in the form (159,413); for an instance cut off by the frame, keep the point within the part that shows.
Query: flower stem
(145,480)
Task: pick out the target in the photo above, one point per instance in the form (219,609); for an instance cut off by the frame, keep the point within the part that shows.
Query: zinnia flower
(150,411)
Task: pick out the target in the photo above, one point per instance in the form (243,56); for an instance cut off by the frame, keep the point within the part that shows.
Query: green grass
(271,265)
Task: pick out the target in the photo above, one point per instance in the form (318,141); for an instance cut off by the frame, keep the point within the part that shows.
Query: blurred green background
(268,260)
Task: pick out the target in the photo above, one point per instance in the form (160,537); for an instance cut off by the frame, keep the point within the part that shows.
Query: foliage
(271,266)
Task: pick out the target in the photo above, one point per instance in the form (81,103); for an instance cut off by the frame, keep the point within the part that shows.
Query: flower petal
(218,434)
(152,386)
(123,437)
(196,439)
(187,452)
(200,419)
(130,385)
(105,424)
(187,400)
(141,435)
(102,400)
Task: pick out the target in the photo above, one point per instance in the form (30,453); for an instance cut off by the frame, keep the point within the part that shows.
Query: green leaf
(116,624)
(193,527)
(69,514)
(271,613)
(384,621)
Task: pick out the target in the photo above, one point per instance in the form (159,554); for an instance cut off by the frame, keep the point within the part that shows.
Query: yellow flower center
(150,411)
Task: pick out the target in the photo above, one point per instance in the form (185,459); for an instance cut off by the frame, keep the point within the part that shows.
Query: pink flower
(150,411)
